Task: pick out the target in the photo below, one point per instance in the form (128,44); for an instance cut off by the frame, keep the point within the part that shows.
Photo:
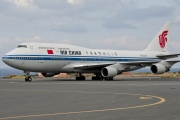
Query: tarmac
(67,99)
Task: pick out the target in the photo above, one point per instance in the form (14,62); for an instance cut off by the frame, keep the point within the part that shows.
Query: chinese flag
(50,51)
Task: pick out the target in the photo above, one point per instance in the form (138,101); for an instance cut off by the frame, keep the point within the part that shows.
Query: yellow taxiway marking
(145,98)
(161,100)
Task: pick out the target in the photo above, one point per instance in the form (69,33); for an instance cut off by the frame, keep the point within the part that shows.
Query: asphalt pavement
(67,99)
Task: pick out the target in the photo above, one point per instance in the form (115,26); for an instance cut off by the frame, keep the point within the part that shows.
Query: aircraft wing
(87,66)
(90,66)
(168,56)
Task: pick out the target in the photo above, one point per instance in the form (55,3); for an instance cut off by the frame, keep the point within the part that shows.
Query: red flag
(50,52)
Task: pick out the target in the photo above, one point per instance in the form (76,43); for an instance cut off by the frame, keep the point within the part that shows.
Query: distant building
(61,75)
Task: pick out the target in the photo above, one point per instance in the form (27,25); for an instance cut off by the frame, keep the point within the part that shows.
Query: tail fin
(160,41)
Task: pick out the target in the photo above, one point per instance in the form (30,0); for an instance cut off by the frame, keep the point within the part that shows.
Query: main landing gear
(97,77)
(109,78)
(79,76)
(28,77)
(100,77)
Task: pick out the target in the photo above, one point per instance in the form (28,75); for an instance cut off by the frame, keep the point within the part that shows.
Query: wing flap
(86,66)
(174,61)
(140,62)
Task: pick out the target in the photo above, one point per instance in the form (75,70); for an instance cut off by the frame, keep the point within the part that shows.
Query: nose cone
(11,59)
(5,59)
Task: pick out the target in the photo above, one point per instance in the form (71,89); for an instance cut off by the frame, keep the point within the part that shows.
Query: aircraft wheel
(82,78)
(106,78)
(77,78)
(28,79)
(110,78)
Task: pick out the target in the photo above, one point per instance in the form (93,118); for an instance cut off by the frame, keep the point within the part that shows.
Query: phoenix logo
(163,39)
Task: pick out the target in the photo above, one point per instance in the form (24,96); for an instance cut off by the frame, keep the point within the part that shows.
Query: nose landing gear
(28,77)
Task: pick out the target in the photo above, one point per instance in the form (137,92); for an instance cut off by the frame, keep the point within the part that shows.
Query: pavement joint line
(162,100)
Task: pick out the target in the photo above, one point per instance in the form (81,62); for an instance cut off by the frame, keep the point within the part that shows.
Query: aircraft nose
(5,59)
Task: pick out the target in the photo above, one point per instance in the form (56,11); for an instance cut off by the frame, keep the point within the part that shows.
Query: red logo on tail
(163,39)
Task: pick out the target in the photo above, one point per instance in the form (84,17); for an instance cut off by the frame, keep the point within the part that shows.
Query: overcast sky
(110,24)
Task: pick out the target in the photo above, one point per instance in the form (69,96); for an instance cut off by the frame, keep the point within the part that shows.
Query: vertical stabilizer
(160,41)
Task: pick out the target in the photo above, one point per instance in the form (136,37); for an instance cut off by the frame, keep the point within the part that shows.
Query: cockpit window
(22,46)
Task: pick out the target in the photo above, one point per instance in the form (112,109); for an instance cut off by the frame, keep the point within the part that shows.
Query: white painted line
(13,82)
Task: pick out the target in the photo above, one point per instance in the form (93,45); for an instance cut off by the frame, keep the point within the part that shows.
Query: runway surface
(67,99)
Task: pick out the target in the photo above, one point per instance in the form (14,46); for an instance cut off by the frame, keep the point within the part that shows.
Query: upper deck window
(22,46)
(115,53)
(91,53)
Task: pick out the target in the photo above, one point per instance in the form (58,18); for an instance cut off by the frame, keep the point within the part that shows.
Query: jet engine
(159,68)
(109,72)
(49,74)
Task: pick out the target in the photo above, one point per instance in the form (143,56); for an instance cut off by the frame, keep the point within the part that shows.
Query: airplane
(51,59)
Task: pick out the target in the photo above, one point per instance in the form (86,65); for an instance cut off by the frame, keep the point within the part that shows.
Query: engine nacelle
(49,74)
(159,69)
(109,72)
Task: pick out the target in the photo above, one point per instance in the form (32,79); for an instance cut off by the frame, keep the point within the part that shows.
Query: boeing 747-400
(51,59)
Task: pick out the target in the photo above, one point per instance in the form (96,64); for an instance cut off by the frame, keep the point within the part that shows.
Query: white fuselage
(56,58)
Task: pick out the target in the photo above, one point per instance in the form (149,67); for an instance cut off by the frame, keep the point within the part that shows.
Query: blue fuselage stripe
(76,58)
